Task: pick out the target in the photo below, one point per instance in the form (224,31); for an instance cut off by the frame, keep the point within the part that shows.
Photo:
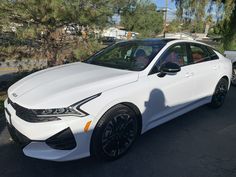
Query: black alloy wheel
(233,80)
(220,93)
(115,133)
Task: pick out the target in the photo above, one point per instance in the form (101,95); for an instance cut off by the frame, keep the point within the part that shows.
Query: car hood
(65,85)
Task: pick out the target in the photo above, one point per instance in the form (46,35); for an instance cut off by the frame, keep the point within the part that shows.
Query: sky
(161,4)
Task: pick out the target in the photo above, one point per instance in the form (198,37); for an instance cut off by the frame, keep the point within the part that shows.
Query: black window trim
(189,54)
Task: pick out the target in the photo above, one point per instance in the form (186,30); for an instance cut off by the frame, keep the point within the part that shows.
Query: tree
(144,19)
(174,26)
(226,15)
(44,20)
(228,27)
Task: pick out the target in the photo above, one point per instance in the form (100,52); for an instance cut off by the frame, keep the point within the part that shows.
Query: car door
(205,67)
(171,93)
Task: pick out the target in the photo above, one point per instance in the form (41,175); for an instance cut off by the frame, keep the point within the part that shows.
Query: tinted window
(199,53)
(175,54)
(134,56)
(213,55)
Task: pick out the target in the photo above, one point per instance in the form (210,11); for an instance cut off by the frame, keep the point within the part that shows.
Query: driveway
(201,143)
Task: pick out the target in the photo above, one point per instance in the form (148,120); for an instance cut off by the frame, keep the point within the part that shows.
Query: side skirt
(176,113)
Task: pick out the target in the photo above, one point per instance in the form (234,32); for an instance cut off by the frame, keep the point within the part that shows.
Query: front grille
(30,115)
(22,112)
(19,138)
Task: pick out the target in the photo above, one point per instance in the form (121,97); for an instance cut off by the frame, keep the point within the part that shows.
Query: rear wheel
(115,133)
(233,80)
(220,93)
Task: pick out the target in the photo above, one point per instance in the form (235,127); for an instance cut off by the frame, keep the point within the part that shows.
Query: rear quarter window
(212,54)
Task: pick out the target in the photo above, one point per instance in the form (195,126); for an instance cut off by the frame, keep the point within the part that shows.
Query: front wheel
(115,133)
(233,80)
(220,93)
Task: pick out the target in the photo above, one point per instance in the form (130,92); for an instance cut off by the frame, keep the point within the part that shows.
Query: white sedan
(100,106)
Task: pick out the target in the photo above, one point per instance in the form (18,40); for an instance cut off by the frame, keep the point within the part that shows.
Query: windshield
(134,56)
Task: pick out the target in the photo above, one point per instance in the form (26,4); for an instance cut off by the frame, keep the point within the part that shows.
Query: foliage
(189,26)
(45,21)
(229,30)
(87,49)
(48,15)
(144,19)
(175,26)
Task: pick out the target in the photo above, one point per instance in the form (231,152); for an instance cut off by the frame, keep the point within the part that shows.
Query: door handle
(214,67)
(189,74)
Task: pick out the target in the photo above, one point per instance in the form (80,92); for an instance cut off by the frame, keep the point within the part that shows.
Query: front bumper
(19,138)
(38,139)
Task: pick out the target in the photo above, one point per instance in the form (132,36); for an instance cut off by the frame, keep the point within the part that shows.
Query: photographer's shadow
(155,106)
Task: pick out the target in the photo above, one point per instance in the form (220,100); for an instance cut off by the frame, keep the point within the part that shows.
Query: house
(118,33)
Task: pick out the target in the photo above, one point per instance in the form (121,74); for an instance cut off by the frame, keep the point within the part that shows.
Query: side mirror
(169,68)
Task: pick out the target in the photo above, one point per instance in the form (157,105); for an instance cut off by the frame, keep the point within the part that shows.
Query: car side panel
(155,98)
(225,67)
(138,93)
(206,76)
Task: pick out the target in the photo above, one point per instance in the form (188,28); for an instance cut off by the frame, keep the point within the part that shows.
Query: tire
(115,133)
(233,80)
(220,93)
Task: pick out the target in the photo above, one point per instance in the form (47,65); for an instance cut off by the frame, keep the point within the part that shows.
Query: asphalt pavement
(201,143)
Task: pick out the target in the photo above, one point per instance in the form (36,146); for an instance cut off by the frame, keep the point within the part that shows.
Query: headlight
(73,110)
(70,111)
(45,115)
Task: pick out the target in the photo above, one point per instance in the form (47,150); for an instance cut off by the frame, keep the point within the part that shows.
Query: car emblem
(14,94)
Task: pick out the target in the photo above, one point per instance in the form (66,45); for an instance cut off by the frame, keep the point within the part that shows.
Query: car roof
(149,40)
(155,40)
(161,40)
(164,41)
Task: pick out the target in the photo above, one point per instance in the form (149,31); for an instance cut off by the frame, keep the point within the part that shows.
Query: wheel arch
(130,105)
(225,77)
(220,78)
(233,73)
(228,80)
(137,112)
